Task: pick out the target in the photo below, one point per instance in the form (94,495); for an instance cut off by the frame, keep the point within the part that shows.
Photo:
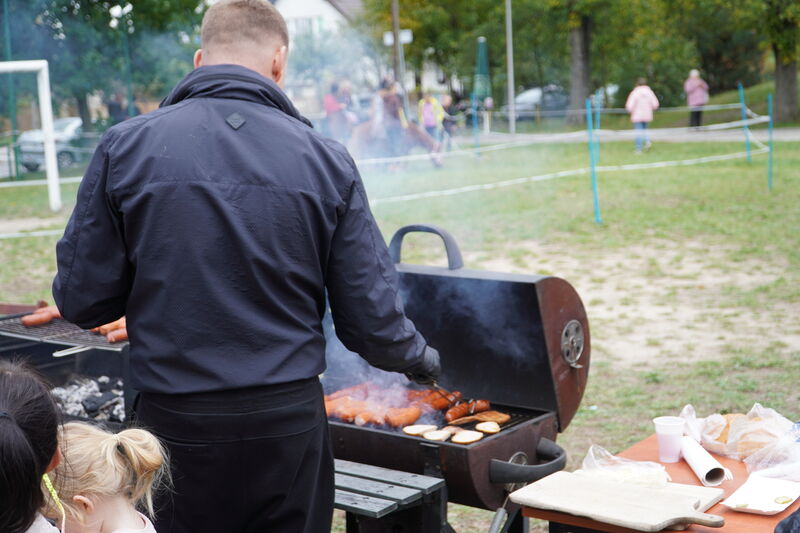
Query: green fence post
(769,164)
(595,193)
(744,126)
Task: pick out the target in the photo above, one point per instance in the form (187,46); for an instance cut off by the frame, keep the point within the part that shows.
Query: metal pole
(595,192)
(13,150)
(769,164)
(128,74)
(512,118)
(744,126)
(396,37)
(475,131)
(46,110)
(400,60)
(597,135)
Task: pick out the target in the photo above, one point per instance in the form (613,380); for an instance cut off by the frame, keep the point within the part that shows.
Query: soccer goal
(39,66)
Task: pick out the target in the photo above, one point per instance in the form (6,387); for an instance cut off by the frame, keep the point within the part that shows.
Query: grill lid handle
(454,260)
(505,472)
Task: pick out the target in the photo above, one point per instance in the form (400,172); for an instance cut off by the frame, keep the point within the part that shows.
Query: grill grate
(58,331)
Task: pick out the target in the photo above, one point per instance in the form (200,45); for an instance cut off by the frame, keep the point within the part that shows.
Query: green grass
(724,201)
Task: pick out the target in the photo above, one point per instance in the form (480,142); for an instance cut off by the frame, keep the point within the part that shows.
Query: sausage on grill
(402,416)
(466,408)
(43,315)
(117,335)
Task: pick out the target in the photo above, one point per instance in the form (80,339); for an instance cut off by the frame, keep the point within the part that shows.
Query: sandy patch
(17,225)
(663,301)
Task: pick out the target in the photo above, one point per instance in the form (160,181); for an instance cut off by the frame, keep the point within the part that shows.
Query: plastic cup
(669,430)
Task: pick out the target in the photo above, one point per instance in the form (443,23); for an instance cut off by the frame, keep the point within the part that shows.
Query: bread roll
(729,419)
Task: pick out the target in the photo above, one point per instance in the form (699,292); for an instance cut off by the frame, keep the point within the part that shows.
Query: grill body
(508,338)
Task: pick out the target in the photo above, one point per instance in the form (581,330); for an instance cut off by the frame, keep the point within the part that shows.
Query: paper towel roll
(710,472)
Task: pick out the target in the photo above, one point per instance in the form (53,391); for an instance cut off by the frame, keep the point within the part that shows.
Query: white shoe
(647,146)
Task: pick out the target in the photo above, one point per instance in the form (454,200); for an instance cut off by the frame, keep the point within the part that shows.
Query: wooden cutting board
(614,502)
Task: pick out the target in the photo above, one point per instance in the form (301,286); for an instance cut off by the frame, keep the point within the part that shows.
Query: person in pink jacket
(640,104)
(696,97)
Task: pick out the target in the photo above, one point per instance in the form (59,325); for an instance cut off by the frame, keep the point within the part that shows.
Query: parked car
(551,97)
(68,136)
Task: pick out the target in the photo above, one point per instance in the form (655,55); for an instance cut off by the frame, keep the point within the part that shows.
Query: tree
(782,20)
(85,53)
(729,50)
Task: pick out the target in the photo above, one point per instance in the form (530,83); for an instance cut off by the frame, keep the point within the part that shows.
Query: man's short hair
(235,22)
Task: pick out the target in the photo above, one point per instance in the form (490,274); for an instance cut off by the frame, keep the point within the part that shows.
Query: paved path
(663,135)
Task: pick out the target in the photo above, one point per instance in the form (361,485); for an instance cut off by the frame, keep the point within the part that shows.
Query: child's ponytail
(146,461)
(28,440)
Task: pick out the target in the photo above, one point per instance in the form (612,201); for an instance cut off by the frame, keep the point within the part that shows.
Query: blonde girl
(104,477)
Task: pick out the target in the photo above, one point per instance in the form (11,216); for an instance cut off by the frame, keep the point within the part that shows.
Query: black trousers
(251,461)
(695,118)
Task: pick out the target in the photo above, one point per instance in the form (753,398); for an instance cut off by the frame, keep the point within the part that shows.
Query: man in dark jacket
(216,224)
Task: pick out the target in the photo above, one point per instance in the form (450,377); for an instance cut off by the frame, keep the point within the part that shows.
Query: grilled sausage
(332,405)
(368,417)
(36,319)
(348,391)
(105,329)
(443,400)
(402,416)
(117,335)
(466,408)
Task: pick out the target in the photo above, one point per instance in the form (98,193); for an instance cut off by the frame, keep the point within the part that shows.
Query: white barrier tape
(711,127)
(557,137)
(31,183)
(43,233)
(615,110)
(469,151)
(683,109)
(561,174)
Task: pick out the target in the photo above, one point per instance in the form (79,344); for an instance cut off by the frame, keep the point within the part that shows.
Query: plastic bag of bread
(715,433)
(781,459)
(739,436)
(599,462)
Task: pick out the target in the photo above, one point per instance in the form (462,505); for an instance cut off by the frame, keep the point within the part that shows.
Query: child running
(104,477)
(29,422)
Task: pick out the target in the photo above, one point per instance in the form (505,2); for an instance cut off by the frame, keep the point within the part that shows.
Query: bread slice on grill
(467,437)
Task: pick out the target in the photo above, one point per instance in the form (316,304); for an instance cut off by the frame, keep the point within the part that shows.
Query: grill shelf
(58,331)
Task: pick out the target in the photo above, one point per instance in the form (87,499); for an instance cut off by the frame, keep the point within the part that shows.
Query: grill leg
(516,523)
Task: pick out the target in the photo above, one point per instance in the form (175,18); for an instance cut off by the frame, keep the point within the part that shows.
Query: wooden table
(647,450)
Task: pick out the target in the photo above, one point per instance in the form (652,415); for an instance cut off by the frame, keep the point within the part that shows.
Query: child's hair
(29,421)
(131,463)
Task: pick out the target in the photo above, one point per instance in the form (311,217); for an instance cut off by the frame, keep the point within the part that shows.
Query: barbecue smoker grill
(520,341)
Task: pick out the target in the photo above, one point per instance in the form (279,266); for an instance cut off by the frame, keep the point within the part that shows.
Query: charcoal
(99,399)
(93,404)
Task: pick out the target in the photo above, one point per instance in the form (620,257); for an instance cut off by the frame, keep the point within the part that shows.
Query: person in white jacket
(640,104)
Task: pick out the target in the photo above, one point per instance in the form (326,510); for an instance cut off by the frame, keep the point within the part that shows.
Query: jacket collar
(232,81)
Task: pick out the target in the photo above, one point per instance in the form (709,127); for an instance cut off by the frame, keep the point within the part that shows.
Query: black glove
(427,370)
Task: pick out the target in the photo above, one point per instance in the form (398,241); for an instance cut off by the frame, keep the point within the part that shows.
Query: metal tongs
(444,393)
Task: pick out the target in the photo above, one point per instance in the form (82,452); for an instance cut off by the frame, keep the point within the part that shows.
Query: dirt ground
(663,300)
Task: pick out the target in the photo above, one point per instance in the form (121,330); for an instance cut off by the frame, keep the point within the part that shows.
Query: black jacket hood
(232,81)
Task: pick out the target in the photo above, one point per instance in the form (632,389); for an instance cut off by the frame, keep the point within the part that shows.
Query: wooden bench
(379,499)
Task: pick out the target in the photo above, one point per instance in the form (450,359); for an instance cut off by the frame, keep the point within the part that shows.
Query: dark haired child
(29,420)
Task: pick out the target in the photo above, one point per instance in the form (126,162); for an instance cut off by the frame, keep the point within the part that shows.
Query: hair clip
(56,499)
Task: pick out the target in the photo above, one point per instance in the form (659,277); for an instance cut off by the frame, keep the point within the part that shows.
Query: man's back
(228,206)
